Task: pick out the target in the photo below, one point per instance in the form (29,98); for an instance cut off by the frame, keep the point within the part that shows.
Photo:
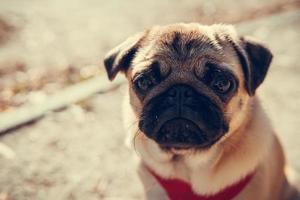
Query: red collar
(178,190)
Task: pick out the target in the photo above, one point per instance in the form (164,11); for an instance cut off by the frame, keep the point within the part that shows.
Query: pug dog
(193,117)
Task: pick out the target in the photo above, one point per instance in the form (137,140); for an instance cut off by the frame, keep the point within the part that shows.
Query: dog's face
(189,84)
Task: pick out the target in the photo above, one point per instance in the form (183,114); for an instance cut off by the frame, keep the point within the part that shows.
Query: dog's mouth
(181,134)
(182,118)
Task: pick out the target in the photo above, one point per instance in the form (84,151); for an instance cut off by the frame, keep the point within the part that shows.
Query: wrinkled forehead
(185,47)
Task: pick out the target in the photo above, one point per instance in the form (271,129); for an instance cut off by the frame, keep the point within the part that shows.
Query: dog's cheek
(135,103)
(236,111)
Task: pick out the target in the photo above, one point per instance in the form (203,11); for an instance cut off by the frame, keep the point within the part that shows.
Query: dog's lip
(183,146)
(200,143)
(176,146)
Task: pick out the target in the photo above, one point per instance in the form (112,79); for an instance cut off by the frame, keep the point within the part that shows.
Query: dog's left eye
(221,84)
(143,82)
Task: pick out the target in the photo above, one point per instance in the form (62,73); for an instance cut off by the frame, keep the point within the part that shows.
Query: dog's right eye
(143,82)
(221,84)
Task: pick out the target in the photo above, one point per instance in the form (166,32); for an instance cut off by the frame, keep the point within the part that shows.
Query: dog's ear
(255,58)
(119,58)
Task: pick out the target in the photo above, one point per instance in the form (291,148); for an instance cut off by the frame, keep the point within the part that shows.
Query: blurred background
(58,113)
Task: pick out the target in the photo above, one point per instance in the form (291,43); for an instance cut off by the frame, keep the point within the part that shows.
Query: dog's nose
(182,117)
(180,94)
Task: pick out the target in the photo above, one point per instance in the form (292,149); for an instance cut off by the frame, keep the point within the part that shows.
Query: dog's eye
(143,82)
(221,84)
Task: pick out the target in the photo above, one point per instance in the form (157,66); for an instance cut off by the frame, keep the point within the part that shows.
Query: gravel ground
(71,154)
(79,153)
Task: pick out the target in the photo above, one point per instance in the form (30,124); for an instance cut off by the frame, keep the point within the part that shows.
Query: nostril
(172,93)
(188,93)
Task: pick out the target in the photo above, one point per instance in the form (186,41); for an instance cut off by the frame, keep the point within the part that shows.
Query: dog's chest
(176,189)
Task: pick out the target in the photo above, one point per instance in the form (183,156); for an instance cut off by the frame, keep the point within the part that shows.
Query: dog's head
(189,84)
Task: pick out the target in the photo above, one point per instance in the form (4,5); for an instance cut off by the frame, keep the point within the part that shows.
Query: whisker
(134,139)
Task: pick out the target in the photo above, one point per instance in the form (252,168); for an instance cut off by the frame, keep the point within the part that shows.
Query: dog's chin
(183,149)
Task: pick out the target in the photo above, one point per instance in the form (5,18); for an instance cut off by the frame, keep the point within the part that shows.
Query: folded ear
(120,57)
(255,59)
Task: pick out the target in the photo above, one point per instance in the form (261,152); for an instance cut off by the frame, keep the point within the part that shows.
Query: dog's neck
(218,165)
